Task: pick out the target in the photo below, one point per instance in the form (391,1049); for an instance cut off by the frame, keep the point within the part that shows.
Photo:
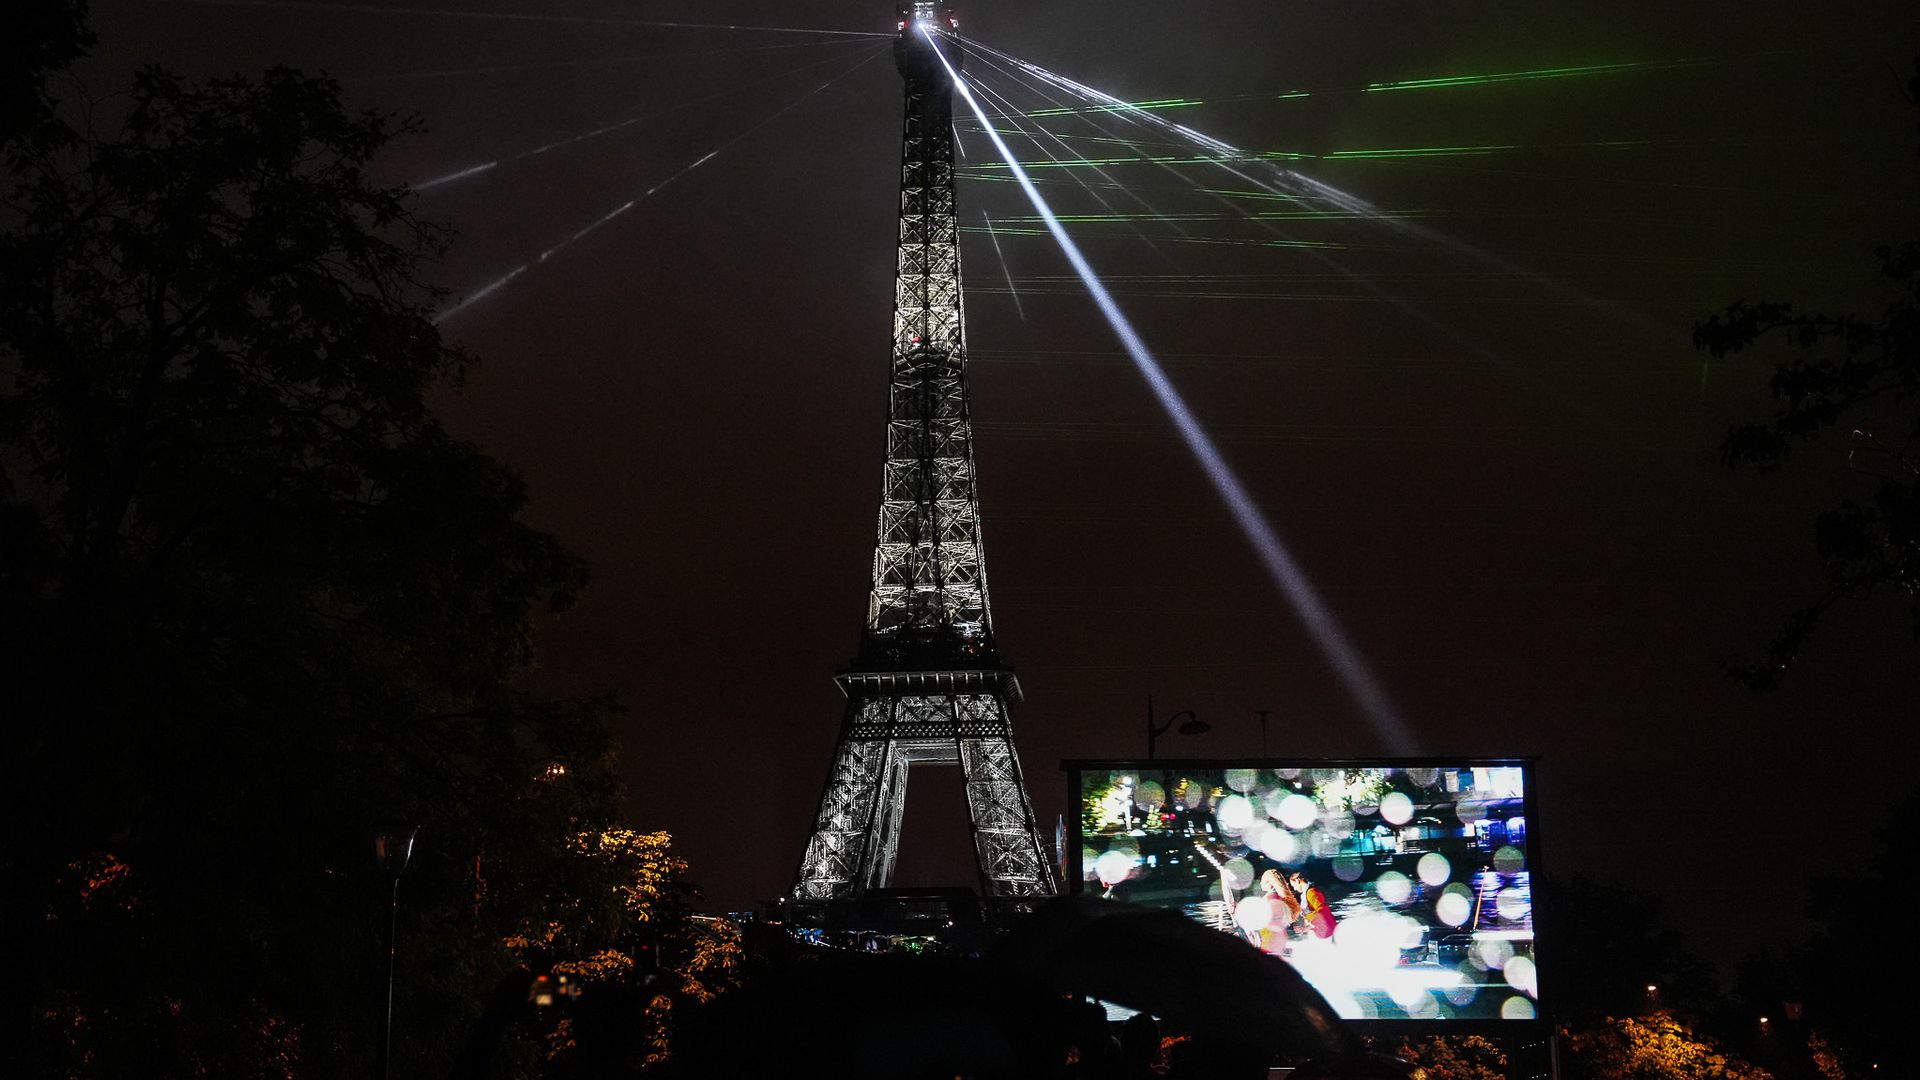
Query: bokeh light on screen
(1348,867)
(1234,814)
(1396,808)
(1297,812)
(1509,860)
(1411,932)
(1241,780)
(1512,904)
(1253,913)
(1114,867)
(1455,905)
(1280,846)
(1393,887)
(1433,868)
(1522,976)
(1150,795)
(1492,954)
(1516,1008)
(1238,873)
(1406,992)
(1370,941)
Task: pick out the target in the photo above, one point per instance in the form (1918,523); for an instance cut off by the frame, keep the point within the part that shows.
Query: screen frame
(1541,1025)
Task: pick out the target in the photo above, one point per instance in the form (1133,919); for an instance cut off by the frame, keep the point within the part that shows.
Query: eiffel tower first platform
(927,686)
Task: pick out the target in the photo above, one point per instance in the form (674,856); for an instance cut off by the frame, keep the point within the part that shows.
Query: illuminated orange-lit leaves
(102,882)
(1825,1059)
(1467,1057)
(712,964)
(620,925)
(605,964)
(647,866)
(659,1025)
(279,1045)
(560,1040)
(1656,1045)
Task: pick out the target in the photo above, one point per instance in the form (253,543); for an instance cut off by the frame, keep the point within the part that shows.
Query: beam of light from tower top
(591,61)
(1291,578)
(494,286)
(621,125)
(1012,289)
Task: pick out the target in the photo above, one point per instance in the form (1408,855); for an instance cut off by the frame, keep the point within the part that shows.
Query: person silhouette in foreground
(1140,1048)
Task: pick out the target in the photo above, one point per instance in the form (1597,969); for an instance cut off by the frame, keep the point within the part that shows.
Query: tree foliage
(254,598)
(619,924)
(1844,998)
(1609,944)
(42,36)
(1464,1057)
(1853,372)
(1656,1046)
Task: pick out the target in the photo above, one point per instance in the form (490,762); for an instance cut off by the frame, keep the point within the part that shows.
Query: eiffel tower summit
(928,686)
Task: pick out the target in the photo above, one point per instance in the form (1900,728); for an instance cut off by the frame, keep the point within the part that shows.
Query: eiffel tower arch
(927,686)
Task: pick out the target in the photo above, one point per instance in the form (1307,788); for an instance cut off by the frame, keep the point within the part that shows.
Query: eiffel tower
(927,686)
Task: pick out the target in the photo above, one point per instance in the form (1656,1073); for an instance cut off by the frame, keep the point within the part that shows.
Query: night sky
(1479,425)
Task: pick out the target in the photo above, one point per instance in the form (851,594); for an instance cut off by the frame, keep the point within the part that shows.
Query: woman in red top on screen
(1313,904)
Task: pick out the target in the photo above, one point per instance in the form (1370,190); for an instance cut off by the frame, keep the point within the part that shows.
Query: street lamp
(392,848)
(1192,725)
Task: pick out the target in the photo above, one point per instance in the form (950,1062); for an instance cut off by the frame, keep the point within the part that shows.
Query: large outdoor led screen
(1400,891)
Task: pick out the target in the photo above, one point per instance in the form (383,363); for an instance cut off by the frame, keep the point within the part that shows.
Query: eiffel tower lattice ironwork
(928,685)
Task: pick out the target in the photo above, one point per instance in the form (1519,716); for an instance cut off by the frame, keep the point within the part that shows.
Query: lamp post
(1193,725)
(392,848)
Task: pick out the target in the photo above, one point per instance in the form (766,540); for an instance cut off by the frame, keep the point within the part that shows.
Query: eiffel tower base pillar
(895,721)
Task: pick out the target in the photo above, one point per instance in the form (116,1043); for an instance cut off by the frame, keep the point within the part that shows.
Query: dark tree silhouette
(1847,370)
(42,37)
(253,599)
(1608,945)
(1847,966)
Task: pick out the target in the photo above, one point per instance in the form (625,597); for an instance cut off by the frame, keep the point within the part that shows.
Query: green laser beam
(998,230)
(1158,103)
(1484,148)
(1437,82)
(1108,139)
(1270,215)
(1374,153)
(1231,193)
(1529,75)
(1169,159)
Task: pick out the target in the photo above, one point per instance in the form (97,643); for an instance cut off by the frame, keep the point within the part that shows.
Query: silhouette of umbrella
(1199,979)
